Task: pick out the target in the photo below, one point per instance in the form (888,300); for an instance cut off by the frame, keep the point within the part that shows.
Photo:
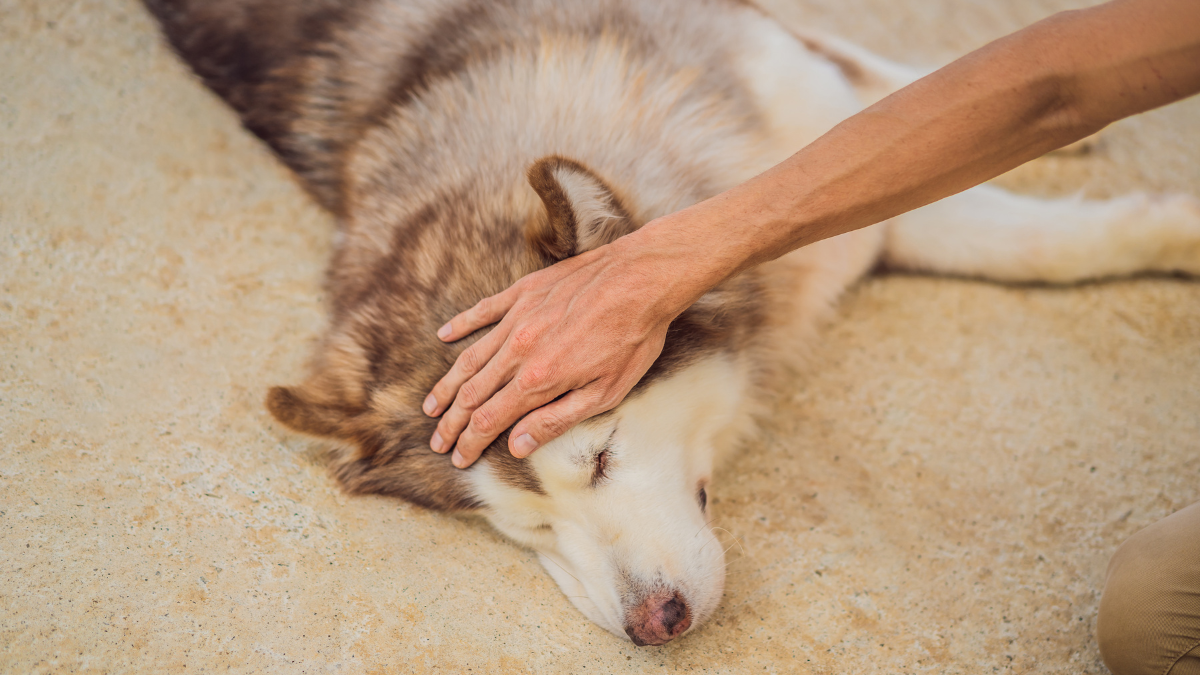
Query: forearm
(1012,101)
(574,338)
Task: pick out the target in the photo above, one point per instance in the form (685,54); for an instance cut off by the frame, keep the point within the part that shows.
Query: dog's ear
(378,450)
(297,409)
(325,404)
(380,438)
(582,212)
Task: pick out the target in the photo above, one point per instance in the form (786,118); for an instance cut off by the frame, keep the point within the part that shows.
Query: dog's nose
(659,618)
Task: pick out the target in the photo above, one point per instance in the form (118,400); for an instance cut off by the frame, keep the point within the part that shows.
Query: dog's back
(310,77)
(255,55)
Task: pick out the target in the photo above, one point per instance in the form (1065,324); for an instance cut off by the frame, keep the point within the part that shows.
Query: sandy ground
(940,495)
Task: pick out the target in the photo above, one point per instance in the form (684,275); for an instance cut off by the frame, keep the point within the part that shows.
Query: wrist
(671,268)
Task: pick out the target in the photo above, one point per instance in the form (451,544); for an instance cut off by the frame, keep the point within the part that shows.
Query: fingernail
(430,405)
(444,331)
(524,445)
(458,460)
(436,442)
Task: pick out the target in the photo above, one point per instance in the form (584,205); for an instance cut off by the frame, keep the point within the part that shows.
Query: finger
(496,415)
(485,313)
(469,362)
(471,395)
(553,420)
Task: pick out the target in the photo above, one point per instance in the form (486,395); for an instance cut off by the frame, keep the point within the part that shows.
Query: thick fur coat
(463,144)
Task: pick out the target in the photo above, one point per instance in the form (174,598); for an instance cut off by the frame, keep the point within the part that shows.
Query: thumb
(552,420)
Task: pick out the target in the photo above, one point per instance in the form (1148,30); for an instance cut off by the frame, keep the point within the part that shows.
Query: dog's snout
(659,618)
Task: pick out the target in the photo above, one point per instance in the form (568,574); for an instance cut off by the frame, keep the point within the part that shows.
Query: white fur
(590,202)
(644,523)
(662,449)
(990,233)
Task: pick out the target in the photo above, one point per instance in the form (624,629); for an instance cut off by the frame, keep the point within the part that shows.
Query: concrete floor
(941,494)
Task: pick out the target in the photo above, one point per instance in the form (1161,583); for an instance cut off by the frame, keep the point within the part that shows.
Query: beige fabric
(1149,620)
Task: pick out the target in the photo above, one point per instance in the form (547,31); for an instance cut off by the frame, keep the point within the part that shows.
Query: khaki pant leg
(1149,621)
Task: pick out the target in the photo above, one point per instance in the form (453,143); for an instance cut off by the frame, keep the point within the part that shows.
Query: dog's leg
(990,233)
(803,86)
(802,93)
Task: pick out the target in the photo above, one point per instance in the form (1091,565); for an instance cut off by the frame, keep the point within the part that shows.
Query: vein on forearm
(992,110)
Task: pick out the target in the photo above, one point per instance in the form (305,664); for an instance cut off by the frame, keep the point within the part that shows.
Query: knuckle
(452,422)
(523,338)
(448,434)
(482,308)
(533,378)
(554,424)
(468,395)
(468,361)
(483,422)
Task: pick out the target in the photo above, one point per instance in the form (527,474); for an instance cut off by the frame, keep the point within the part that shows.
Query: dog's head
(621,520)
(617,507)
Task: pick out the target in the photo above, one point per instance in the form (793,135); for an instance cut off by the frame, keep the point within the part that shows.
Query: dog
(465,143)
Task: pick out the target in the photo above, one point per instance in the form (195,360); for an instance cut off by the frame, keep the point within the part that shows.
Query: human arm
(591,326)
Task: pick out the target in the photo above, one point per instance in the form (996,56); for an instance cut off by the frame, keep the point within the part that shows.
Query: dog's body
(465,144)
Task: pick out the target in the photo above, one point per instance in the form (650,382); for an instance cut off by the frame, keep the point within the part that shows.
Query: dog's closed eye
(599,471)
(600,462)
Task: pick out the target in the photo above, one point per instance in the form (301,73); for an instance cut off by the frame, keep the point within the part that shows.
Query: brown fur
(553,237)
(373,103)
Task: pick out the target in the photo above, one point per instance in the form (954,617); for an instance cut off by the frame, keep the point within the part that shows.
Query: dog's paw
(1178,219)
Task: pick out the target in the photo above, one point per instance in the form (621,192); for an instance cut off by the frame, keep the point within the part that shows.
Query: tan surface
(942,494)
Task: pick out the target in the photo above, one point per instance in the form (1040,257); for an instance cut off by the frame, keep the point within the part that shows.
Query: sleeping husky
(463,144)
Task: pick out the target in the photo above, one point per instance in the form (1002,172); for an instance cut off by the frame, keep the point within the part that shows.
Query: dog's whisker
(735,539)
(564,569)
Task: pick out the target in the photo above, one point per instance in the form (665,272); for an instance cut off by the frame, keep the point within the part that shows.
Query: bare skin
(589,327)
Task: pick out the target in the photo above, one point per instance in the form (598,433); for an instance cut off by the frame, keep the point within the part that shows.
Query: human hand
(572,340)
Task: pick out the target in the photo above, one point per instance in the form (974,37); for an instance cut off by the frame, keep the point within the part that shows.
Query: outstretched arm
(574,338)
